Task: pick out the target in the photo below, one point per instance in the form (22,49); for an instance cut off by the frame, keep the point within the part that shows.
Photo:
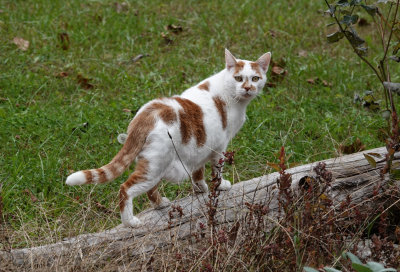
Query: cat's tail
(138,131)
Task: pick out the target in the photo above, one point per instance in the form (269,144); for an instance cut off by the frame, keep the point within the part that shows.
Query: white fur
(174,160)
(77,178)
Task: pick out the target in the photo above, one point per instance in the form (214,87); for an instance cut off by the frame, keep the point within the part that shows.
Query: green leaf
(310,269)
(388,269)
(392,87)
(386,114)
(343,3)
(349,19)
(361,267)
(354,38)
(396,48)
(353,258)
(331,269)
(334,37)
(363,51)
(370,160)
(394,174)
(385,1)
(371,9)
(375,266)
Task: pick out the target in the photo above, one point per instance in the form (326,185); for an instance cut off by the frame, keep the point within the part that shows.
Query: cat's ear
(264,61)
(229,59)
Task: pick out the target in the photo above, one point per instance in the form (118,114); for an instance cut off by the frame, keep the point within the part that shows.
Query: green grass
(39,112)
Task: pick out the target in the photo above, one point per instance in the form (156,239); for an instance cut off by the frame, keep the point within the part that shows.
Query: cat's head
(246,78)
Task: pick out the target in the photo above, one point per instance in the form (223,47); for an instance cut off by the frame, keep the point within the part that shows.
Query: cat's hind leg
(199,184)
(157,201)
(140,181)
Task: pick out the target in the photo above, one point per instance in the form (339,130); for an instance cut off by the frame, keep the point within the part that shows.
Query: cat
(172,138)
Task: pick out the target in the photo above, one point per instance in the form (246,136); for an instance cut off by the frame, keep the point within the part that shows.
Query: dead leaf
(21,43)
(272,33)
(64,40)
(176,29)
(363,22)
(303,53)
(62,74)
(17,137)
(32,196)
(121,7)
(3,99)
(84,82)
(127,110)
(138,57)
(326,83)
(278,70)
(311,81)
(167,39)
(356,146)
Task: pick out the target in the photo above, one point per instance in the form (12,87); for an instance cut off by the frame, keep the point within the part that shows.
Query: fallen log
(352,175)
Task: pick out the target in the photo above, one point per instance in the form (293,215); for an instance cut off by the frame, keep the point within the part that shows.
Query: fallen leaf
(127,110)
(32,196)
(311,81)
(21,43)
(303,53)
(3,99)
(64,40)
(121,7)
(326,83)
(354,147)
(17,137)
(363,22)
(278,70)
(138,57)
(370,160)
(176,29)
(272,33)
(167,39)
(84,82)
(62,74)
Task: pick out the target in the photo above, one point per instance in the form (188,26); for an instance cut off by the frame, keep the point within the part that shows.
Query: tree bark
(352,175)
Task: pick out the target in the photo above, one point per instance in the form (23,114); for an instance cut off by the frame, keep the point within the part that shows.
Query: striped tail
(138,130)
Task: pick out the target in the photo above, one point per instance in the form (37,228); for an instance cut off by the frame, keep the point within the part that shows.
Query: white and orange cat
(171,137)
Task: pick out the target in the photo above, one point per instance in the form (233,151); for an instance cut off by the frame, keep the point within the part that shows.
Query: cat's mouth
(247,95)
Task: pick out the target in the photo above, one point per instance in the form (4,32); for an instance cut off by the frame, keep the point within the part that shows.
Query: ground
(66,96)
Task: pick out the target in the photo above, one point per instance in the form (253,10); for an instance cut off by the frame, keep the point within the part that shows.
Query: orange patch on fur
(198,174)
(221,107)
(239,66)
(205,86)
(154,195)
(191,117)
(137,176)
(165,112)
(88,175)
(256,67)
(102,175)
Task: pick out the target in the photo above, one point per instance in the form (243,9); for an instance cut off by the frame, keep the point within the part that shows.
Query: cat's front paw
(200,187)
(132,222)
(224,186)
(165,202)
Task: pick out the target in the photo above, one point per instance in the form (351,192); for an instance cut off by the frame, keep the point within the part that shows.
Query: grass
(44,105)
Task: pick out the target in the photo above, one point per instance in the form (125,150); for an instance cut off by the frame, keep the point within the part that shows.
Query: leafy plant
(384,14)
(357,265)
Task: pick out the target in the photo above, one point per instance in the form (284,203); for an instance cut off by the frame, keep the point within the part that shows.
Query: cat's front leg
(216,171)
(199,184)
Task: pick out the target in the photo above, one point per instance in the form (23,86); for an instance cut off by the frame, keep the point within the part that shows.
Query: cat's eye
(239,78)
(255,78)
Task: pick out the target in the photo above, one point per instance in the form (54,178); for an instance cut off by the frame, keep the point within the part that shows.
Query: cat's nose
(247,88)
